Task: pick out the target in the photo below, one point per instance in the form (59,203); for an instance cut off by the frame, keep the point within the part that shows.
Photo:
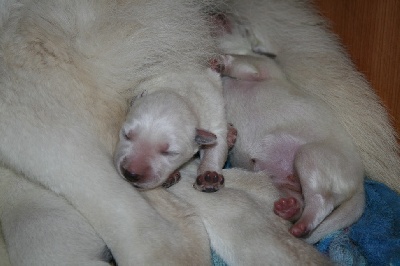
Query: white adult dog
(42,228)
(68,70)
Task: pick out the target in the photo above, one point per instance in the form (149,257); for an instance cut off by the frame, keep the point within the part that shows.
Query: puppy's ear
(204,137)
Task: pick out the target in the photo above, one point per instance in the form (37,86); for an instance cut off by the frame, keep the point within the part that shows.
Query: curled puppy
(296,139)
(313,58)
(174,116)
(289,134)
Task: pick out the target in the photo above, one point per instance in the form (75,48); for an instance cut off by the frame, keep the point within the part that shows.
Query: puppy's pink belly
(278,153)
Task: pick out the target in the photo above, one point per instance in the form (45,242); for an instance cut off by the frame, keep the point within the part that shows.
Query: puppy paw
(299,229)
(287,208)
(209,182)
(231,137)
(172,179)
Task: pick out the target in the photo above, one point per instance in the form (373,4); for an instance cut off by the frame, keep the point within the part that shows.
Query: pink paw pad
(299,230)
(287,208)
(209,182)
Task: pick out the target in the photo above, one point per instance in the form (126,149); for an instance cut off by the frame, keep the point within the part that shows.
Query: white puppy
(174,115)
(294,138)
(289,134)
(312,58)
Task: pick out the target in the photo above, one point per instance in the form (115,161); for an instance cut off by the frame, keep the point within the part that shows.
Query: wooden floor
(370,31)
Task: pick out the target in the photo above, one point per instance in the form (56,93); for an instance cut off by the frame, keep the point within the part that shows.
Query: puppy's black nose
(131,177)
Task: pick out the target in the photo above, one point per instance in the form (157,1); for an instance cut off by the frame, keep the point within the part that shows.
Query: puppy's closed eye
(165,151)
(169,153)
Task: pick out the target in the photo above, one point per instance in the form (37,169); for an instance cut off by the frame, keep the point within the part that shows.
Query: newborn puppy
(289,134)
(173,117)
(293,137)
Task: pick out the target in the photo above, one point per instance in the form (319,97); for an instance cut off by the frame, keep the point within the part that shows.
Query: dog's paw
(299,229)
(172,179)
(209,182)
(287,208)
(232,136)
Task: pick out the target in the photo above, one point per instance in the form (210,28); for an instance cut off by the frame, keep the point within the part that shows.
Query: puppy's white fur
(289,134)
(286,132)
(313,59)
(160,130)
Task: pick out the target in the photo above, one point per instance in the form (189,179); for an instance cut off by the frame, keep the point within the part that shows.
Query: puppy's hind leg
(329,176)
(344,215)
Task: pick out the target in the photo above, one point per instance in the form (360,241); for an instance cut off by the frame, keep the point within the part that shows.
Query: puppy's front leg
(210,178)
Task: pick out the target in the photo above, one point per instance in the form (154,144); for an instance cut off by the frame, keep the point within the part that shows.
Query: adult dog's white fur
(313,59)
(68,70)
(41,228)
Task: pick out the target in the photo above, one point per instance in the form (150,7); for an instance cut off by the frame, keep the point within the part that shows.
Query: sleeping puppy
(174,116)
(314,59)
(295,138)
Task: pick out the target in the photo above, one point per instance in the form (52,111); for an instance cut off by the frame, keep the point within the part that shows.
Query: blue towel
(373,240)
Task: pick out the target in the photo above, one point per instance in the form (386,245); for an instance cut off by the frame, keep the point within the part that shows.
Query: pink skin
(136,168)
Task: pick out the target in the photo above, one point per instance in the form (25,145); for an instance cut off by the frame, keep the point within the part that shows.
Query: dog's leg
(41,228)
(290,206)
(95,189)
(344,215)
(213,158)
(329,175)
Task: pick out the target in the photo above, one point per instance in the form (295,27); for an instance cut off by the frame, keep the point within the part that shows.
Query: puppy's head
(158,136)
